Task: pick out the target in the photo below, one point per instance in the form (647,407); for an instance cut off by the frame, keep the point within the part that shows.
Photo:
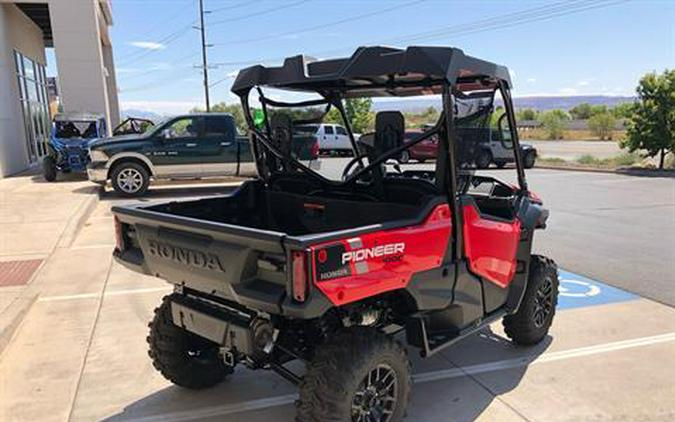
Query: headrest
(281,126)
(389,131)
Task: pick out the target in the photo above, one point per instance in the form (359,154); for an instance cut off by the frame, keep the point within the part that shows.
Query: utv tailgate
(246,265)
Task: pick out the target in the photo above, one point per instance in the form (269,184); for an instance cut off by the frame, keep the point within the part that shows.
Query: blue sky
(603,48)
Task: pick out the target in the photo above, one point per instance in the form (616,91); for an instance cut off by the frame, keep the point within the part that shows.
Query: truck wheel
(49,168)
(404,158)
(130,179)
(529,159)
(358,375)
(484,159)
(181,357)
(500,164)
(534,317)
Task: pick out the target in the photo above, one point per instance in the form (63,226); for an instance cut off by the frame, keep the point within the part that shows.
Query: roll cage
(378,72)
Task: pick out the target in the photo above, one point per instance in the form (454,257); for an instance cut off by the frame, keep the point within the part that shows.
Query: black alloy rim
(375,399)
(543,302)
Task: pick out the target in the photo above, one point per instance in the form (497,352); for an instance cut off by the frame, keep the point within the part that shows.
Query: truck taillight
(315,149)
(119,237)
(299,275)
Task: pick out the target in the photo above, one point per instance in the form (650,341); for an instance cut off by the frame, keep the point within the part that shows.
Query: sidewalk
(36,219)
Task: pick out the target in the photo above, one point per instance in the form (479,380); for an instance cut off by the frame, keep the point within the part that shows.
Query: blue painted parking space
(577,291)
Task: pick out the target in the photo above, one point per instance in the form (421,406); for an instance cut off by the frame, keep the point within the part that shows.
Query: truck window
(328,130)
(340,130)
(186,127)
(218,126)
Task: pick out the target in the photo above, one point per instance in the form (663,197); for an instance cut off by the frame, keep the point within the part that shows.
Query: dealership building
(78,32)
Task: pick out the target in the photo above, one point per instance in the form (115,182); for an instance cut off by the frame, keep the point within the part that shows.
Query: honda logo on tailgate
(185,256)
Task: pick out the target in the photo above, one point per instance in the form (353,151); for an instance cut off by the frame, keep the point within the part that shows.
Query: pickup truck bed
(237,246)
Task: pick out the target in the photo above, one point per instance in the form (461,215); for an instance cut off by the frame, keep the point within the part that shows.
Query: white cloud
(531,80)
(162,107)
(148,45)
(568,91)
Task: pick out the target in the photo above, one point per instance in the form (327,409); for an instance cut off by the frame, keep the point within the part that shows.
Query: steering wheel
(356,164)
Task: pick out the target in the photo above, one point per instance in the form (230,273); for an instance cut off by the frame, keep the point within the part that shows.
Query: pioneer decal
(351,257)
(185,256)
(389,249)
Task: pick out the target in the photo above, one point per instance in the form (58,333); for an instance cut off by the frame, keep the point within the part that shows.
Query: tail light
(299,276)
(315,149)
(119,236)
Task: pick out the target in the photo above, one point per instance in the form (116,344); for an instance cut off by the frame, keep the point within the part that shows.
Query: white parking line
(110,293)
(228,409)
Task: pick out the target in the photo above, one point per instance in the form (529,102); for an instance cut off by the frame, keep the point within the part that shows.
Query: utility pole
(205,67)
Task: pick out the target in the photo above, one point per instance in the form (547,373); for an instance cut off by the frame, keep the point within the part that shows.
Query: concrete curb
(625,172)
(14,314)
(78,219)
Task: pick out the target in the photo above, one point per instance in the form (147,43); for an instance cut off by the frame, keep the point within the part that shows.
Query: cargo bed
(238,246)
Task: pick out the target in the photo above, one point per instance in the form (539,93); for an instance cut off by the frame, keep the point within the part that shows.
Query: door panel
(218,147)
(490,245)
(177,150)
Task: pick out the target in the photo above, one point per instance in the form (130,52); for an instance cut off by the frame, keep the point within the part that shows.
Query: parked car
(422,151)
(497,151)
(67,147)
(332,138)
(185,146)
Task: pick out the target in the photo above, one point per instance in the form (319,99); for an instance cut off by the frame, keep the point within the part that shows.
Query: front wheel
(49,168)
(181,357)
(535,315)
(130,179)
(358,375)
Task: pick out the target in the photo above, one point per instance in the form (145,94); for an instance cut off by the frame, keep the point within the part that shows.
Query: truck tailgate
(244,264)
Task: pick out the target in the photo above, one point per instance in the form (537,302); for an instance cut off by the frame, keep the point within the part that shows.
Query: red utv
(339,272)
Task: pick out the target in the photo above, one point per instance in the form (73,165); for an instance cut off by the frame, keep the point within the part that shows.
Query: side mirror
(504,134)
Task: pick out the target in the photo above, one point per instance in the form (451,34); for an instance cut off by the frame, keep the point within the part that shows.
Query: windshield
(75,129)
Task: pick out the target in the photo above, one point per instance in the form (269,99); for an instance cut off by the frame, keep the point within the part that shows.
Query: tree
(234,109)
(582,111)
(554,122)
(623,110)
(359,114)
(651,127)
(602,125)
(526,114)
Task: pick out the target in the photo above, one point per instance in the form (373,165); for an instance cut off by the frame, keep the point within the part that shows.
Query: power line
(260,13)
(323,25)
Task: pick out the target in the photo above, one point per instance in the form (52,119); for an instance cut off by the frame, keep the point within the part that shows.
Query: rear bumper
(97,172)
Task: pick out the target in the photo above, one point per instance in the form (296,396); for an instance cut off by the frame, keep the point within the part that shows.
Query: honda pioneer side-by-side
(338,272)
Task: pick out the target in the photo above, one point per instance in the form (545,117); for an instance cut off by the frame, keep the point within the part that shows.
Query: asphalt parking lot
(80,354)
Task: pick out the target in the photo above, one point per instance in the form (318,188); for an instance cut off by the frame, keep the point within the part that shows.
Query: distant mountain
(142,114)
(540,103)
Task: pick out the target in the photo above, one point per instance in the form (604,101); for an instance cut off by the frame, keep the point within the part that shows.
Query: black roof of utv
(373,72)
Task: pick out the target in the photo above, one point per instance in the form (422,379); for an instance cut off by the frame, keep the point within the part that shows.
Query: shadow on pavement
(457,384)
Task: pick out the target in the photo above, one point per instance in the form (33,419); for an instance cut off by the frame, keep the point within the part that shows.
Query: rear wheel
(49,168)
(358,375)
(181,357)
(130,179)
(484,159)
(529,159)
(534,317)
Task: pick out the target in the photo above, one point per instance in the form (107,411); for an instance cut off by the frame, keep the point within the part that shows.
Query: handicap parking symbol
(577,291)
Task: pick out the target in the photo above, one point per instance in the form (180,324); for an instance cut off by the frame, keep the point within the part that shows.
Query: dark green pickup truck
(186,146)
